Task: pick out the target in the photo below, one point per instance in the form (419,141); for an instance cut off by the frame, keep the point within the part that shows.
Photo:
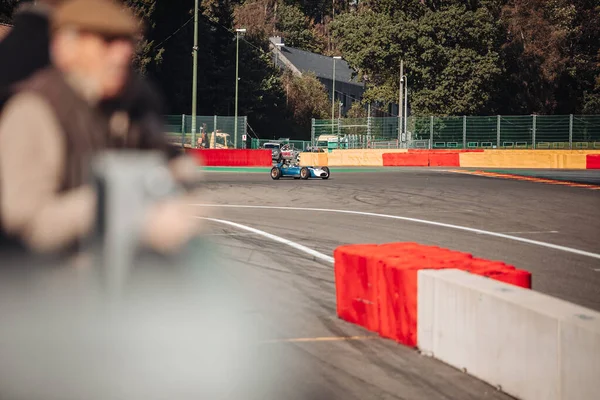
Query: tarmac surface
(587,176)
(308,352)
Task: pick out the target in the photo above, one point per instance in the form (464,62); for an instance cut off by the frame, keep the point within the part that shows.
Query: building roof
(321,66)
(4,29)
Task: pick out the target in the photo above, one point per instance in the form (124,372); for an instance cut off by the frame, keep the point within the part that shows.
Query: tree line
(461,57)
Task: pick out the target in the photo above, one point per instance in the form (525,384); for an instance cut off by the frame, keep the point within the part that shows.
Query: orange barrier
(446,150)
(552,159)
(376,285)
(592,161)
(313,159)
(359,157)
(422,158)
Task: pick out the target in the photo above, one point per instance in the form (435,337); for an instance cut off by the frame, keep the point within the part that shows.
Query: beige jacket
(31,167)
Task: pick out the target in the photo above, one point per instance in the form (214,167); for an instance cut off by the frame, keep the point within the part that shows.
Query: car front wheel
(275,173)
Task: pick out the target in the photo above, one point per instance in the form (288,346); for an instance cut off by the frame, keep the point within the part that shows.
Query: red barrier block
(405,159)
(501,272)
(355,277)
(450,159)
(592,161)
(376,286)
(516,277)
(398,290)
(232,157)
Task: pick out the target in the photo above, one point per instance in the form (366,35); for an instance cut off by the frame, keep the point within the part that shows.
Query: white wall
(531,345)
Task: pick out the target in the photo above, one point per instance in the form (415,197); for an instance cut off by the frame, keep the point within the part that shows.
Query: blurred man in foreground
(53,125)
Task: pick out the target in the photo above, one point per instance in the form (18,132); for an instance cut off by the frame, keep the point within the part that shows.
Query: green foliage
(7,8)
(258,17)
(145,52)
(551,54)
(296,28)
(460,56)
(451,56)
(306,97)
(357,110)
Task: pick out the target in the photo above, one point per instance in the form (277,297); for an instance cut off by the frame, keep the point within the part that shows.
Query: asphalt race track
(311,354)
(585,176)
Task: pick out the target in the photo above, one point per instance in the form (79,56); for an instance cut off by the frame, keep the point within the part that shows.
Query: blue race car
(298,172)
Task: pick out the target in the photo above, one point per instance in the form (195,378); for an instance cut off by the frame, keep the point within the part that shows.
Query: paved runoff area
(278,237)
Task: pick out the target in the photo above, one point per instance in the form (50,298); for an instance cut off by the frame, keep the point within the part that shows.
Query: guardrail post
(570,131)
(312,132)
(245,132)
(369,123)
(182,130)
(431,133)
(214,135)
(464,131)
(533,133)
(498,131)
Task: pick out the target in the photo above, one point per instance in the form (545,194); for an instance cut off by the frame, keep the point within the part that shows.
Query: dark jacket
(24,50)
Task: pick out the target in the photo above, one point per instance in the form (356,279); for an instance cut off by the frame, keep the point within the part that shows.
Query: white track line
(529,232)
(420,221)
(297,246)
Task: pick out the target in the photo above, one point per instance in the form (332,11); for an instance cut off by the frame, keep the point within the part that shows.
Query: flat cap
(104,17)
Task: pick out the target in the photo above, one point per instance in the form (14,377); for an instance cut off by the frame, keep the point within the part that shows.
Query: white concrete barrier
(532,346)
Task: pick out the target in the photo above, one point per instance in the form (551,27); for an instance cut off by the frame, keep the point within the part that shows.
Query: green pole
(195,74)
(235,122)
(333,98)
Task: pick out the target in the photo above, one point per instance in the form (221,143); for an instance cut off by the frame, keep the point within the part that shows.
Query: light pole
(400,102)
(194,75)
(237,50)
(405,106)
(333,94)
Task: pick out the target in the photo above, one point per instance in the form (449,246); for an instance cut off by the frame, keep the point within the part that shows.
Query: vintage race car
(288,154)
(298,172)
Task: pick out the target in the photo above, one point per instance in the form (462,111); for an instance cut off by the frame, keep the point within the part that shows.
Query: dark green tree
(551,56)
(7,8)
(452,56)
(296,28)
(146,52)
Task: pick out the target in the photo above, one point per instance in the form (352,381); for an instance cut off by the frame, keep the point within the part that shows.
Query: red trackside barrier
(232,157)
(376,285)
(405,159)
(422,158)
(450,159)
(592,161)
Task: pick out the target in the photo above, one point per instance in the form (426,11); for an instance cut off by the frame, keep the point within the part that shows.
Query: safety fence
(301,145)
(460,132)
(214,132)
